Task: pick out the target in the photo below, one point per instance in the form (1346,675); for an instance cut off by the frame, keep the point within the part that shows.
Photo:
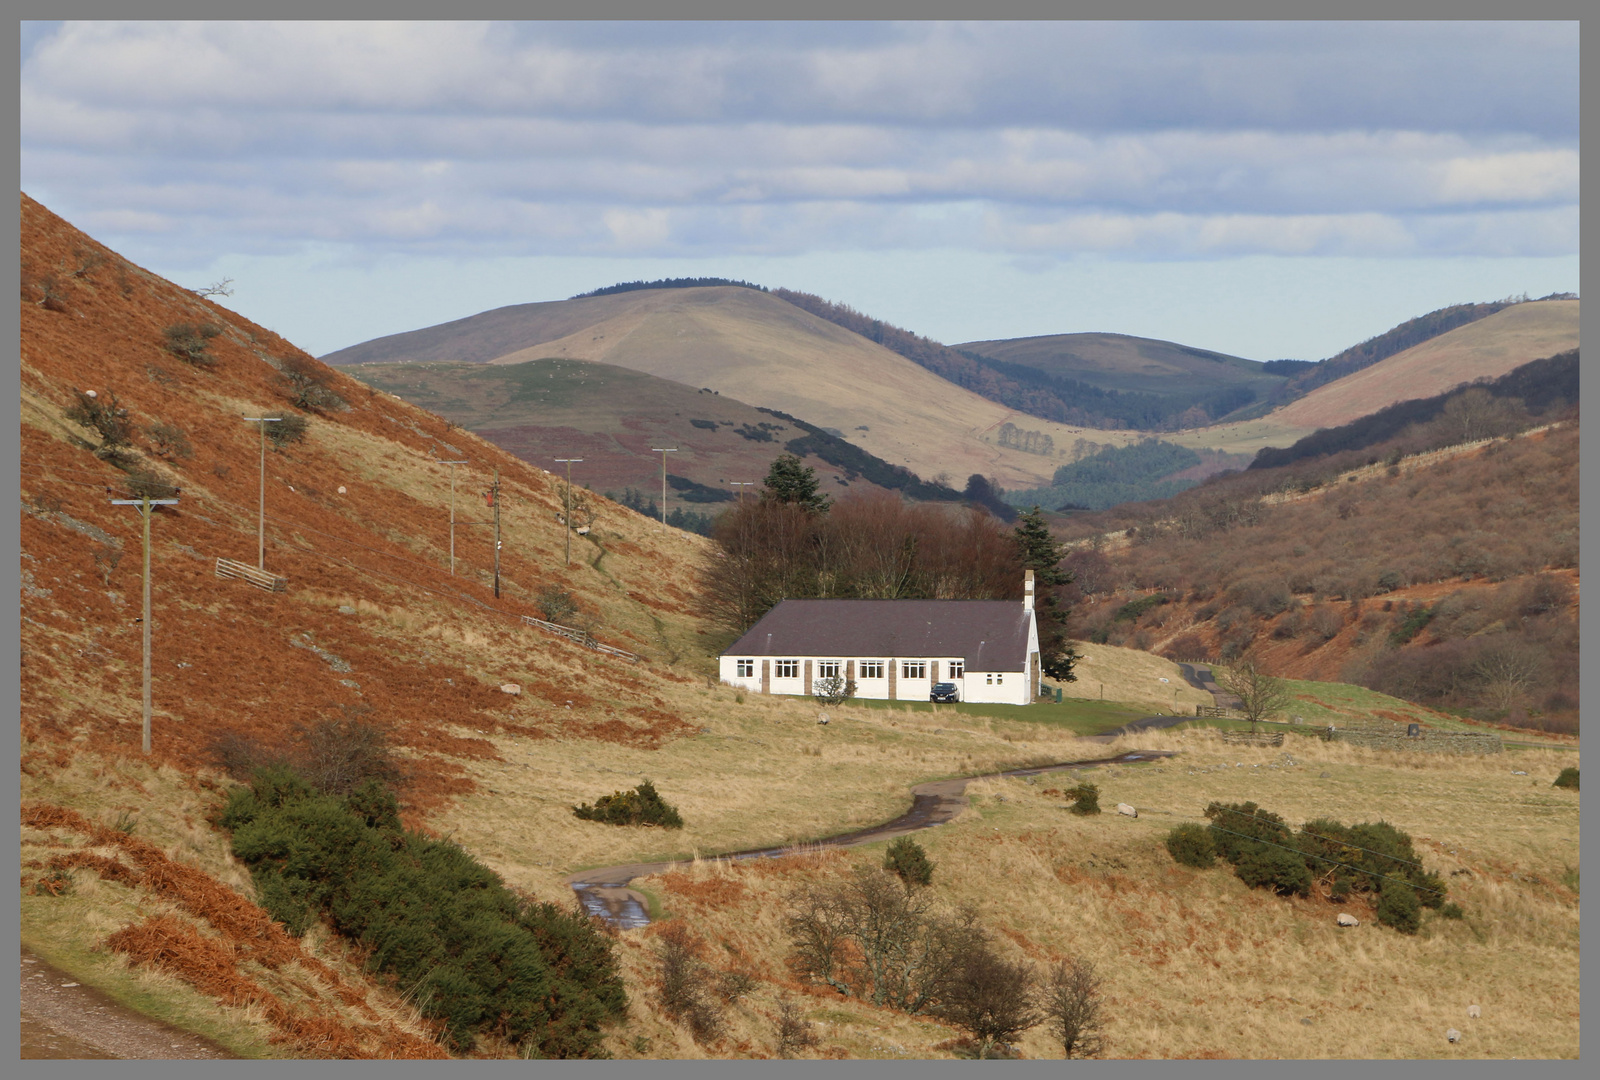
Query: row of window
(830,669)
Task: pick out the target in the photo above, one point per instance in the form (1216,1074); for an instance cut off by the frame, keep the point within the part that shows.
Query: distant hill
(757,348)
(1134,382)
(612,416)
(1484,348)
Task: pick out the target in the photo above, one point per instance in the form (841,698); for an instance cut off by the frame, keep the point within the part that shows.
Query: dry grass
(1118,674)
(1199,966)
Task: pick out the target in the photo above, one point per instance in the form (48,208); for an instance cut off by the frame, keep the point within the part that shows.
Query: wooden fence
(227,568)
(1253,738)
(582,637)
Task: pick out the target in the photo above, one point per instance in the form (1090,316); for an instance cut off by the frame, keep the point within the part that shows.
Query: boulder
(1473,1012)
(1346,919)
(1126,811)
(510,688)
(1453,1035)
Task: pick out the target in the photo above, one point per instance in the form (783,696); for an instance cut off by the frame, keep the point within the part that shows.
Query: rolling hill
(756,348)
(610,417)
(1484,349)
(1160,384)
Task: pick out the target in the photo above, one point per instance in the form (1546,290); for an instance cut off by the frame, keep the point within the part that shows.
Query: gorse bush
(470,952)
(1085,798)
(1341,860)
(906,859)
(1190,845)
(1568,778)
(641,806)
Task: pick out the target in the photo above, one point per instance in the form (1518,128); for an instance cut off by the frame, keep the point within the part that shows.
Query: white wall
(978,686)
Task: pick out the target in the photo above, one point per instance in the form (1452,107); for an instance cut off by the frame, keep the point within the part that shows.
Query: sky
(1271,190)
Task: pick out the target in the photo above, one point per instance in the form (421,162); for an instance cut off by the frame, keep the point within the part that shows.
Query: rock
(1325,775)
(1453,1035)
(1346,919)
(341,489)
(1518,772)
(1126,811)
(510,688)
(1473,1012)
(1306,1020)
(822,718)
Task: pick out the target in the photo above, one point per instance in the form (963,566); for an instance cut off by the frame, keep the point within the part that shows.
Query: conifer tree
(1041,553)
(788,481)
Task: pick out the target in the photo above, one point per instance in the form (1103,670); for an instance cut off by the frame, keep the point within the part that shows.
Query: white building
(893,649)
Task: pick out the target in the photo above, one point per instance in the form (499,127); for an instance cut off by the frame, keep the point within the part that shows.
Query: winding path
(604,891)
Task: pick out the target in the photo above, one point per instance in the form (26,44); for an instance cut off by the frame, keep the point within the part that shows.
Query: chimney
(1027,590)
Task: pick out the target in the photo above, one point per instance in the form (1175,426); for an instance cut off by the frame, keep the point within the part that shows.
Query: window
(786,669)
(746,668)
(988,680)
(999,680)
(827,669)
(872,669)
(958,668)
(917,670)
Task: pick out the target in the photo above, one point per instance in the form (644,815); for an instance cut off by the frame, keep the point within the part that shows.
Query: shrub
(1398,907)
(1568,778)
(170,441)
(188,342)
(339,756)
(1284,872)
(1452,911)
(685,984)
(907,859)
(105,418)
(991,997)
(833,689)
(1190,845)
(794,1031)
(641,806)
(290,428)
(304,382)
(477,957)
(142,482)
(555,603)
(1235,825)
(1085,798)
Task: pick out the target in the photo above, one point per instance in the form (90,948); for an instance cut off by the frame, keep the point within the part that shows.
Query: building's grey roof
(991,635)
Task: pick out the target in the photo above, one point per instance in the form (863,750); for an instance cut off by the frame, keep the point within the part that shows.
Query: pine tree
(1042,554)
(788,481)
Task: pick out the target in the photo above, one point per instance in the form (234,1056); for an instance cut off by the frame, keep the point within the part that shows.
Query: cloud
(1151,140)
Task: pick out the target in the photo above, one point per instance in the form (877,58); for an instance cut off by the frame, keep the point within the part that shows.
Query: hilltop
(751,346)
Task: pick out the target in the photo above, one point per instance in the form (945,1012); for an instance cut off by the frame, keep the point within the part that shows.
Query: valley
(395,695)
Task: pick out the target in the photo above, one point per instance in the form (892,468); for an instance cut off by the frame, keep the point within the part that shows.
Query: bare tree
(794,1031)
(216,288)
(1506,674)
(1259,694)
(991,997)
(1072,1006)
(307,384)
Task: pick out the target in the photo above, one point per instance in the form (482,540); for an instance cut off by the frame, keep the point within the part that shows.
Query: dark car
(945,691)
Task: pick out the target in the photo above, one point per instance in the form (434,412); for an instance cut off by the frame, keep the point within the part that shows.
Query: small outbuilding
(893,649)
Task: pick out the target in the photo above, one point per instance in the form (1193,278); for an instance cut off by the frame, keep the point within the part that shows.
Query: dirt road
(604,892)
(63,1019)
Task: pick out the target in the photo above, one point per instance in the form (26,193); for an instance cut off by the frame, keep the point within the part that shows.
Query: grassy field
(1197,965)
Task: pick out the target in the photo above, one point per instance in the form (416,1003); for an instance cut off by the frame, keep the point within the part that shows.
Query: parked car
(944,691)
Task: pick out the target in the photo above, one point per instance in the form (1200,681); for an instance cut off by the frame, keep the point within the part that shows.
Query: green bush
(290,428)
(641,806)
(1085,798)
(1190,845)
(1568,778)
(1235,825)
(906,858)
(1398,907)
(1452,911)
(475,955)
(1261,866)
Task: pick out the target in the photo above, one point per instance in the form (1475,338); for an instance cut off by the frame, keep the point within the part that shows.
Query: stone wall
(1428,741)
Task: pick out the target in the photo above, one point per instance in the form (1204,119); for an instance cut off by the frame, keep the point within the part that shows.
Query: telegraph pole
(568,516)
(663,451)
(494,497)
(452,465)
(741,485)
(261,526)
(146,507)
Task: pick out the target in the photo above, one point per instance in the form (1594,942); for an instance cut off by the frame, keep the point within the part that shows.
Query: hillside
(1448,578)
(610,417)
(749,345)
(1484,349)
(1141,382)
